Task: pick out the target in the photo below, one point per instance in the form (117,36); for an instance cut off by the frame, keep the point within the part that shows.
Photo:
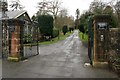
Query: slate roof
(14,14)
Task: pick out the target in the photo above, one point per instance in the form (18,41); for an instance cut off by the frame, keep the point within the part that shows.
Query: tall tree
(115,4)
(97,6)
(16,5)
(45,23)
(77,18)
(83,27)
(55,7)
(108,10)
(117,9)
(77,13)
(61,18)
(3,6)
(43,7)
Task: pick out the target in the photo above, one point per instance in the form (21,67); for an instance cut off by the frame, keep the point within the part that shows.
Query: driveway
(64,59)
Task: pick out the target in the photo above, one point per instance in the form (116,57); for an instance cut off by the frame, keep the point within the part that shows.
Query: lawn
(54,40)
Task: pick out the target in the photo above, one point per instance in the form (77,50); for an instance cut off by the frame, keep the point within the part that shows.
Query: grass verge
(83,37)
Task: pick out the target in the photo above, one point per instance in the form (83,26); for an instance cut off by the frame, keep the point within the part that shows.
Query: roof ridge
(23,11)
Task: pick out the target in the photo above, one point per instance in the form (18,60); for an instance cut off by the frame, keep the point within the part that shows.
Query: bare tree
(63,12)
(55,7)
(16,5)
(64,19)
(43,7)
(50,7)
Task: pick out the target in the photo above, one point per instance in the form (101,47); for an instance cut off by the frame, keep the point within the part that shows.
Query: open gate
(13,46)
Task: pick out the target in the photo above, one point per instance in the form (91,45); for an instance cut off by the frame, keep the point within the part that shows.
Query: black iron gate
(90,39)
(30,40)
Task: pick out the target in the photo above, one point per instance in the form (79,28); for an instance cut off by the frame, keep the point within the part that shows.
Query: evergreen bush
(65,29)
(45,23)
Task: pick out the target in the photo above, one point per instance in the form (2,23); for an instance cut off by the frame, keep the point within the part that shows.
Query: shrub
(65,29)
(55,32)
(71,29)
(81,28)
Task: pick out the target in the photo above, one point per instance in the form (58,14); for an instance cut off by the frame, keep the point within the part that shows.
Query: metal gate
(13,39)
(30,40)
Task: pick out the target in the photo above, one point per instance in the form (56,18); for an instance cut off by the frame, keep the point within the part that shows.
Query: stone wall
(114,49)
(114,39)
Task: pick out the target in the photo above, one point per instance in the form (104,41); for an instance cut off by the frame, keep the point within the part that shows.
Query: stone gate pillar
(15,39)
(100,39)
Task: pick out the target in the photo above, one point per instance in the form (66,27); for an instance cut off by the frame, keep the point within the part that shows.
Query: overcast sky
(71,5)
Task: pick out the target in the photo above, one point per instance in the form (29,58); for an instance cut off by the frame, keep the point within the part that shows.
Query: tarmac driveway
(64,59)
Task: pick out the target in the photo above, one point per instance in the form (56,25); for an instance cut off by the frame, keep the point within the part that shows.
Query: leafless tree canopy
(16,5)
(63,13)
(53,7)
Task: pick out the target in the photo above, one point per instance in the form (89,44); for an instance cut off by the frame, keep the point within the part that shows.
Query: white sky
(71,5)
